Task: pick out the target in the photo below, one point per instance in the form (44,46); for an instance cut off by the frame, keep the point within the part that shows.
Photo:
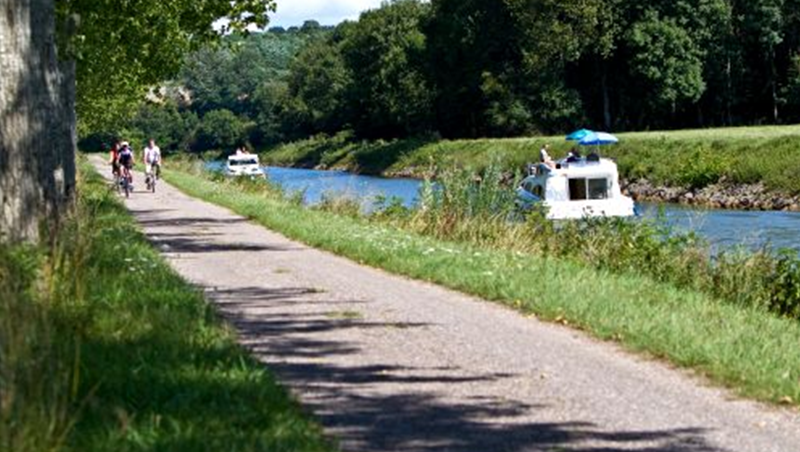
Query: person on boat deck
(574,155)
(544,156)
(593,156)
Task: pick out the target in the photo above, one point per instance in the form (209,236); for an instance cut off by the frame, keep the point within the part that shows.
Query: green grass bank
(104,348)
(746,348)
(690,158)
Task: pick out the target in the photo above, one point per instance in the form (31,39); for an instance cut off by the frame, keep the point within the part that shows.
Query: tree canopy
(472,68)
(123,47)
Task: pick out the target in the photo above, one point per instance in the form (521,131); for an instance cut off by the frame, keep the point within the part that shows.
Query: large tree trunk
(37,121)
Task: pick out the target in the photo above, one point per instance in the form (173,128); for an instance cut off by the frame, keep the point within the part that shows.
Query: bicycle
(125,181)
(152,177)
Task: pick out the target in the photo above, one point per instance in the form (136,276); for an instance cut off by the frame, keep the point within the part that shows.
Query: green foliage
(701,168)
(316,84)
(493,68)
(121,48)
(171,128)
(668,59)
(384,51)
(785,286)
(220,130)
(35,367)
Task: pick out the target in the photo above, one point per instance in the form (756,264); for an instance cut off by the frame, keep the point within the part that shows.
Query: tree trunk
(606,100)
(37,121)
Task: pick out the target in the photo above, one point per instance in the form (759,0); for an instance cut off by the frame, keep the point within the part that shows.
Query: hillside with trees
(469,68)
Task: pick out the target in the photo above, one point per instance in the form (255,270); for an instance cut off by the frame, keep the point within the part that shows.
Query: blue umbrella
(597,139)
(578,135)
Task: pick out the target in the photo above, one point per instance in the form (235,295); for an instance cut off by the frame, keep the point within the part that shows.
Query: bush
(702,168)
(220,129)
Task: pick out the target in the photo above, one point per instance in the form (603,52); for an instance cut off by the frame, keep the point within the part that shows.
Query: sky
(326,12)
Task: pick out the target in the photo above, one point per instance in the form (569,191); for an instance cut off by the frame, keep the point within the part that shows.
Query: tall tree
(384,52)
(115,49)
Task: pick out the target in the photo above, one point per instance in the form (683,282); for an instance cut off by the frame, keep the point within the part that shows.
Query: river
(723,228)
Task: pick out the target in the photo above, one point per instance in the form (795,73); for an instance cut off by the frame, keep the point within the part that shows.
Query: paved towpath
(389,364)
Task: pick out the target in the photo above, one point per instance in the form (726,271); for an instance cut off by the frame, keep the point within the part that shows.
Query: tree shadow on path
(391,407)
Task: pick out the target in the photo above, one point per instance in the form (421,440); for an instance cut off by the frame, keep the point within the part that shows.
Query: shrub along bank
(625,284)
(103,347)
(749,167)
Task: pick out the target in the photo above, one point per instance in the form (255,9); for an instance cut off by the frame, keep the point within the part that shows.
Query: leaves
(124,46)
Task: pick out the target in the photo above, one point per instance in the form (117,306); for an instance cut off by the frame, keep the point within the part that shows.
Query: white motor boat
(244,165)
(574,190)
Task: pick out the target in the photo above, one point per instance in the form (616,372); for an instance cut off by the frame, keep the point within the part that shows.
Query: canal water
(723,228)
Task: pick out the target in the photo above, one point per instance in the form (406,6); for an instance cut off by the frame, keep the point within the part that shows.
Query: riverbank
(103,347)
(752,168)
(746,348)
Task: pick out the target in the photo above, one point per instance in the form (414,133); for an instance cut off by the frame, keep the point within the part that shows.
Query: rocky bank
(718,196)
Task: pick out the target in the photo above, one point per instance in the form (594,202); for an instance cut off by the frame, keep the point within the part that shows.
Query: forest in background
(487,68)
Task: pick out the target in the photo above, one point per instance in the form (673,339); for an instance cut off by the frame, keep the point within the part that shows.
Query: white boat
(244,165)
(575,190)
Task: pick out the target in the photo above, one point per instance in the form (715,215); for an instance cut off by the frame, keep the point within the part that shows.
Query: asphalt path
(390,364)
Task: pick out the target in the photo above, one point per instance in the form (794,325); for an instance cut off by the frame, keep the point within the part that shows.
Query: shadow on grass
(358,156)
(383,406)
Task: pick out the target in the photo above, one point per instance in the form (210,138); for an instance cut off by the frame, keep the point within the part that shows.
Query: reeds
(479,209)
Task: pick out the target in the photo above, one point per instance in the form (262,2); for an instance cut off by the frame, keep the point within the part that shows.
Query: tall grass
(104,348)
(479,209)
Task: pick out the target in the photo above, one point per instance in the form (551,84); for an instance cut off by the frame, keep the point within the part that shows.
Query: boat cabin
(244,165)
(576,190)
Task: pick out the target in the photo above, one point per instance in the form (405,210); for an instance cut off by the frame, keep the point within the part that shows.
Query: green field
(746,348)
(104,348)
(681,158)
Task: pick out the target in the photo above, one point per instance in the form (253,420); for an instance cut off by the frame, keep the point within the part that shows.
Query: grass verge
(747,349)
(149,365)
(694,158)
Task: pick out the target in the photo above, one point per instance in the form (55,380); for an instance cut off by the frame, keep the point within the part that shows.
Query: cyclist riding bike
(125,160)
(152,159)
(113,159)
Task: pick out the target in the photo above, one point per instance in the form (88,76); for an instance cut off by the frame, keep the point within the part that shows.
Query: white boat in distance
(244,165)
(576,190)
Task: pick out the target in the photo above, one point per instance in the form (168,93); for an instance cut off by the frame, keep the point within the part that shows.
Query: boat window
(598,188)
(243,162)
(534,188)
(583,189)
(577,189)
(528,186)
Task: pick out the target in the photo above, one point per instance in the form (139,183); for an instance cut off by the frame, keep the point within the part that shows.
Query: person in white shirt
(544,156)
(152,159)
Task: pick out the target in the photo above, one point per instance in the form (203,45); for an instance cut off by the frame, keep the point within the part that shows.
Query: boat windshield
(243,162)
(581,189)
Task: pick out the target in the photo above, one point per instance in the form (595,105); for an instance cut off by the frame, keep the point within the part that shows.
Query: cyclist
(113,159)
(126,160)
(152,159)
